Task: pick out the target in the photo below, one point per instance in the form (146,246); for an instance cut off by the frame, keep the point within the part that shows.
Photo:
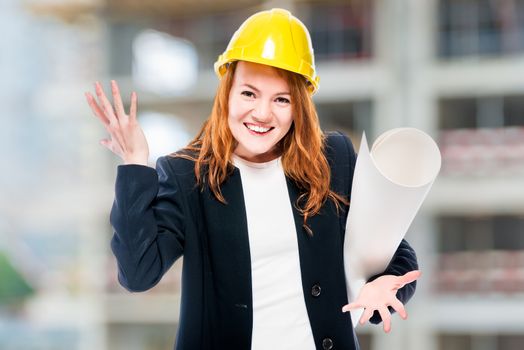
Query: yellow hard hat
(275,38)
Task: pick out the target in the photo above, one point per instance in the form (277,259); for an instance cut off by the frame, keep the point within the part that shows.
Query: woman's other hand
(379,294)
(127,138)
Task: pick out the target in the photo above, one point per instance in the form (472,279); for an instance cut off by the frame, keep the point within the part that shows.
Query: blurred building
(453,68)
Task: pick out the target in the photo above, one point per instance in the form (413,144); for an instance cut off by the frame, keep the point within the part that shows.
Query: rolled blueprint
(389,185)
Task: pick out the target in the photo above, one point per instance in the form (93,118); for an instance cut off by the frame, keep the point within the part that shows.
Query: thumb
(107,144)
(351,306)
(410,276)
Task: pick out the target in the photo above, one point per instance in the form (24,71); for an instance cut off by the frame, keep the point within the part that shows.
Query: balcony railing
(493,151)
(480,272)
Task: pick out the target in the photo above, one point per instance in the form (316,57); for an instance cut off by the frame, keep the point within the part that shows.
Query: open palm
(127,138)
(379,294)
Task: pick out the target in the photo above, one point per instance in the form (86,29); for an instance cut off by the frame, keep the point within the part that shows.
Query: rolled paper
(389,185)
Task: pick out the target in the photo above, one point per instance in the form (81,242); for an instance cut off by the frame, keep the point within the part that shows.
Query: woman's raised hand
(127,138)
(381,293)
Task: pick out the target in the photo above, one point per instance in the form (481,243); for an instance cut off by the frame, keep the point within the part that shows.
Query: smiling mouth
(258,130)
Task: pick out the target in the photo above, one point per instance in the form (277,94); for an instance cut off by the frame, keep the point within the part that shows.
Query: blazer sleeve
(404,259)
(147,217)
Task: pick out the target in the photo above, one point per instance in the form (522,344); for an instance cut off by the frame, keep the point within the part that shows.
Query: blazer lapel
(317,251)
(230,262)
(294,193)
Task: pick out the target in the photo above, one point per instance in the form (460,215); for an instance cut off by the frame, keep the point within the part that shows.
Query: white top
(280,319)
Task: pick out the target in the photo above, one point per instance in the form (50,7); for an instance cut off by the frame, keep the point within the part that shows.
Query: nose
(262,112)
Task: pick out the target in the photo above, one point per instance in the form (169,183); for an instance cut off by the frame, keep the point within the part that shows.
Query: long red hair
(302,148)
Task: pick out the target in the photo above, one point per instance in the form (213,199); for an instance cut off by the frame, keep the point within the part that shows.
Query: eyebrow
(257,90)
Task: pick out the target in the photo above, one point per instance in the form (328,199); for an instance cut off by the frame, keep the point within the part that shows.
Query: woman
(256,203)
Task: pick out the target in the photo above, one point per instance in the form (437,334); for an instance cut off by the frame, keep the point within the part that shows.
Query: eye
(282,100)
(247,93)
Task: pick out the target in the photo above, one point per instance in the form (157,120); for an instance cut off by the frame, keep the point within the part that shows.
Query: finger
(399,308)
(112,146)
(104,102)
(117,100)
(410,276)
(386,318)
(351,306)
(107,144)
(97,111)
(114,127)
(132,110)
(366,315)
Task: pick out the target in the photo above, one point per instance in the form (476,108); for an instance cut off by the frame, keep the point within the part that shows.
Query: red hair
(302,148)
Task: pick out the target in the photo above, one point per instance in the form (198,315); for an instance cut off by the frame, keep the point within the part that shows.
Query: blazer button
(315,290)
(327,344)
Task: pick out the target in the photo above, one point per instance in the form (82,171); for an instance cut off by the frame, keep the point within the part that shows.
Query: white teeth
(257,128)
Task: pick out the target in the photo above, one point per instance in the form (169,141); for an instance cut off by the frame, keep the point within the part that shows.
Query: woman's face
(260,112)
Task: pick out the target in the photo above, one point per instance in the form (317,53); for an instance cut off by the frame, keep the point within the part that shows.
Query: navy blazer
(160,215)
